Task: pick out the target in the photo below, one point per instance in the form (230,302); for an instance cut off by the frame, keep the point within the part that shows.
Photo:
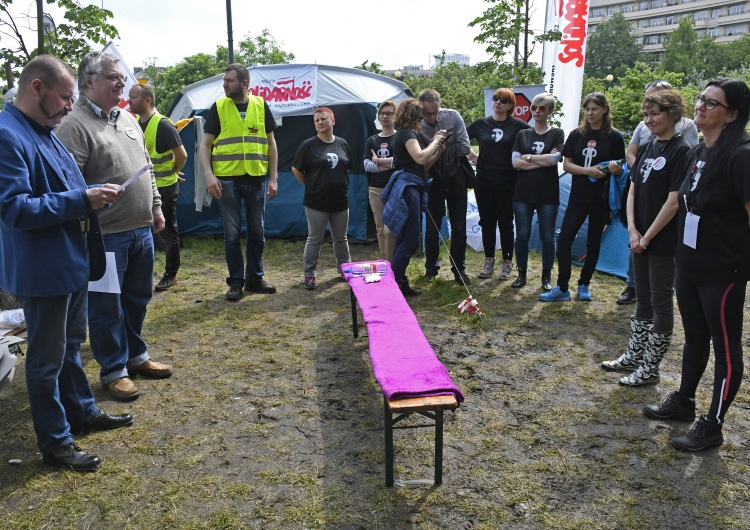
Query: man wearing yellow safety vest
(237,151)
(168,157)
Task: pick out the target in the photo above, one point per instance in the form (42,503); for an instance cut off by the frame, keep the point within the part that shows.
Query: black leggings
(575,215)
(712,312)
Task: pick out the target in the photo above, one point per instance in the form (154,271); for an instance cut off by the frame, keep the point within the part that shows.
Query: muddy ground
(273,419)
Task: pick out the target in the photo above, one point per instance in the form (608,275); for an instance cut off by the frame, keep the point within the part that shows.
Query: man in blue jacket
(46,210)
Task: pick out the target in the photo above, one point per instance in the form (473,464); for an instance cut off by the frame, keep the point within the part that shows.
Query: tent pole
(229,32)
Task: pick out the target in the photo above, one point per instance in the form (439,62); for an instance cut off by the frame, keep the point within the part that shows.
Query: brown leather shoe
(152,369)
(122,389)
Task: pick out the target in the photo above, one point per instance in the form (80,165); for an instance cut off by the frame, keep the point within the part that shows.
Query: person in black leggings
(713,261)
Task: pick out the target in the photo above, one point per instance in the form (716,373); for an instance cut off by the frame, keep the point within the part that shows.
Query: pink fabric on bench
(403,361)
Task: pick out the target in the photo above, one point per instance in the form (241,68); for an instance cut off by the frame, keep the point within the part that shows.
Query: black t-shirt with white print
(383,147)
(658,170)
(326,168)
(539,185)
(588,150)
(495,139)
(722,252)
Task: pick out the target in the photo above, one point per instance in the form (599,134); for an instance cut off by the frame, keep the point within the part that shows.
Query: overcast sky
(393,33)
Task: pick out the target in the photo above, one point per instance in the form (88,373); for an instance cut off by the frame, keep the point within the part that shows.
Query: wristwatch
(528,158)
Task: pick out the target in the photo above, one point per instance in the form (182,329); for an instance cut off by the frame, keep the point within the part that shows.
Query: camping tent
(292,92)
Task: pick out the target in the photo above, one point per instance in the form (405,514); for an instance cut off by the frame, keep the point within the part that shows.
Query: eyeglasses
(386,114)
(429,114)
(535,107)
(710,104)
(498,99)
(115,77)
(659,83)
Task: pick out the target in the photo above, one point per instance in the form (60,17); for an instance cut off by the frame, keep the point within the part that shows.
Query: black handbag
(467,173)
(97,255)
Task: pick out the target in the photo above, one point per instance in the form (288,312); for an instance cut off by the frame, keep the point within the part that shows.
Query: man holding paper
(48,252)
(108,146)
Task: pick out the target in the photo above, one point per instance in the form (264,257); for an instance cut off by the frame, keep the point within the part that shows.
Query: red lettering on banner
(574,32)
(285,90)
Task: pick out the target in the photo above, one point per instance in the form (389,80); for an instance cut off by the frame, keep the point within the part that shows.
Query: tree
(371,67)
(188,71)
(611,48)
(69,39)
(504,27)
(699,59)
(256,51)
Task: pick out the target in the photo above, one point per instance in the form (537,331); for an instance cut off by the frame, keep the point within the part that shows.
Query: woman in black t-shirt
(496,178)
(594,141)
(713,261)
(656,176)
(536,153)
(379,167)
(322,165)
(407,185)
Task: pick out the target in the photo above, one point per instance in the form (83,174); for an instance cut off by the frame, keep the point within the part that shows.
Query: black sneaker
(430,276)
(627,296)
(703,435)
(461,278)
(166,282)
(259,286)
(407,290)
(674,407)
(234,293)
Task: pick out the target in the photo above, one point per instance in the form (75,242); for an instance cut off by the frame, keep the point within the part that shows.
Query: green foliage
(611,48)
(371,66)
(256,51)
(504,26)
(71,39)
(699,59)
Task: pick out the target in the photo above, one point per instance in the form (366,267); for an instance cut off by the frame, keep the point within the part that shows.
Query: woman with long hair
(536,153)
(713,261)
(405,193)
(651,207)
(496,178)
(594,141)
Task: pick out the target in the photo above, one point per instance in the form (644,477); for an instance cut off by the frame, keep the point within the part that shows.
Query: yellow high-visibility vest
(242,146)
(164,170)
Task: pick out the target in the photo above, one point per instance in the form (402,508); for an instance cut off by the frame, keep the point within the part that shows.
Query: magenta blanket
(403,361)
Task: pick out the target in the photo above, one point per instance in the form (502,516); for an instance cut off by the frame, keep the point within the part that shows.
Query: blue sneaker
(555,295)
(584,295)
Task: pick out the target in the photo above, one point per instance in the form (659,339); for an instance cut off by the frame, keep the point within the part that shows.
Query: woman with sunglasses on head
(536,153)
(379,167)
(658,172)
(496,178)
(404,195)
(594,141)
(713,261)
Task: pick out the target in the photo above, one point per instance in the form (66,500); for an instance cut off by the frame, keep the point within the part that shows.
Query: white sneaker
(507,270)
(489,268)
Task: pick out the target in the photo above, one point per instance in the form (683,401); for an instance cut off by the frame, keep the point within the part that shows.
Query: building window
(610,11)
(715,12)
(737,9)
(642,24)
(639,41)
(655,22)
(597,12)
(643,6)
(701,33)
(628,8)
(737,29)
(672,2)
(713,32)
(700,15)
(670,20)
(656,4)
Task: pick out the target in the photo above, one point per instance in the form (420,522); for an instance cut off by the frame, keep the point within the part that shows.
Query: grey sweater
(106,153)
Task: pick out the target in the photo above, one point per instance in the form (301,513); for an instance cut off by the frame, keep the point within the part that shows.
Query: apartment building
(652,20)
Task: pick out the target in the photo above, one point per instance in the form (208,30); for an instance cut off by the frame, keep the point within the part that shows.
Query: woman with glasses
(594,141)
(404,195)
(656,175)
(713,261)
(322,166)
(379,170)
(496,178)
(536,153)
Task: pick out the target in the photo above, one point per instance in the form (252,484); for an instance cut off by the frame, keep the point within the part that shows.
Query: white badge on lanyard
(690,237)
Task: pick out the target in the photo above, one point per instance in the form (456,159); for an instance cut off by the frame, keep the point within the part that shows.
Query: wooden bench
(397,409)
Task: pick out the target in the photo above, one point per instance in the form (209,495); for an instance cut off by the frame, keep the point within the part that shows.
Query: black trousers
(452,191)
(170,234)
(575,215)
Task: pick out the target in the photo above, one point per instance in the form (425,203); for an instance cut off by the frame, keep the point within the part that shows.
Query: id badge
(690,238)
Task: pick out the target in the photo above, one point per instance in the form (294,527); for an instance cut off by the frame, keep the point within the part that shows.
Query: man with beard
(108,145)
(237,151)
(168,157)
(46,210)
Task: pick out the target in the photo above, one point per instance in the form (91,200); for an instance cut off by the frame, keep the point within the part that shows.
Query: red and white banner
(286,92)
(563,61)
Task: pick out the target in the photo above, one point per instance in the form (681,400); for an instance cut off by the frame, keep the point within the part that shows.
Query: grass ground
(273,420)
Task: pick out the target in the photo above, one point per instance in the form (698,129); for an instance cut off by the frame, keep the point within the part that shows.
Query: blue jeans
(58,388)
(116,320)
(547,214)
(253,191)
(408,241)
